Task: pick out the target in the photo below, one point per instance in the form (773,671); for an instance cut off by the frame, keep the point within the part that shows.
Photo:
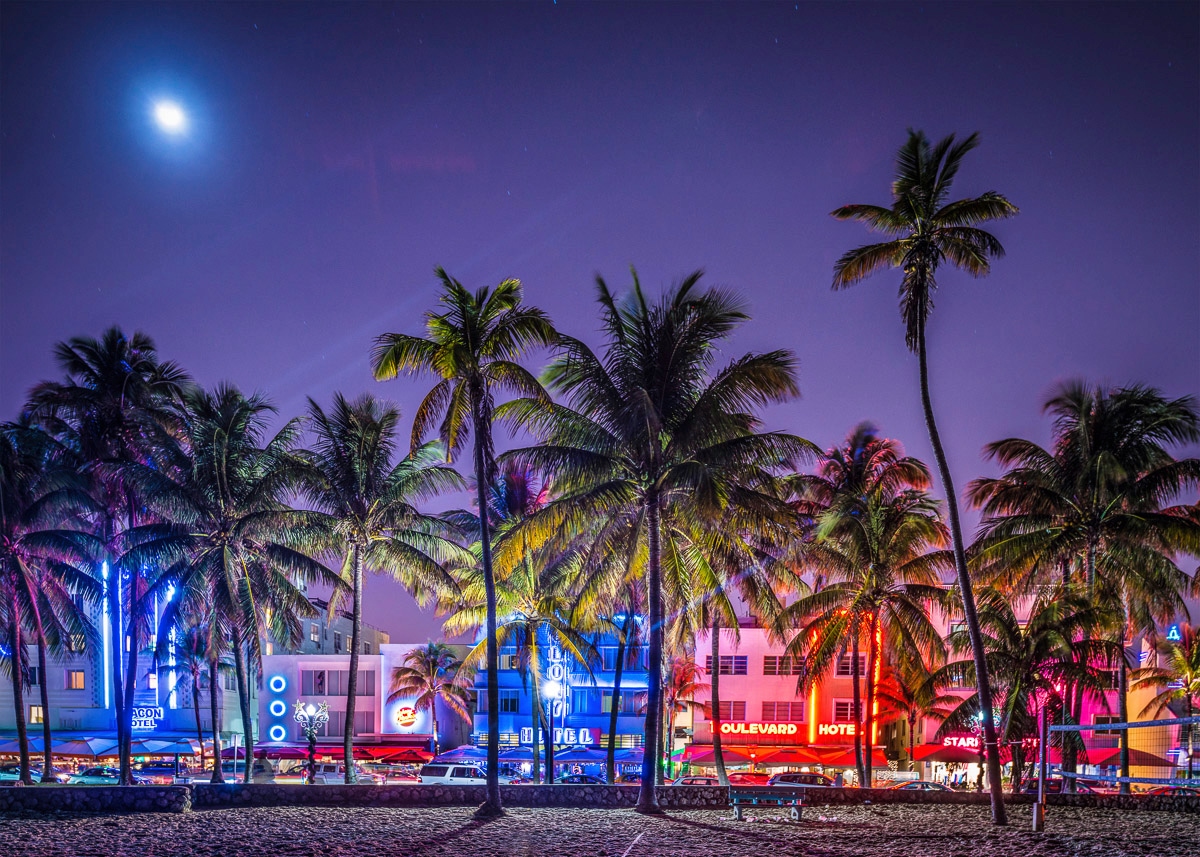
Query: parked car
(261,772)
(1178,791)
(446,774)
(697,781)
(580,780)
(159,773)
(801,778)
(393,773)
(1055,787)
(12,773)
(629,779)
(103,776)
(920,786)
(749,778)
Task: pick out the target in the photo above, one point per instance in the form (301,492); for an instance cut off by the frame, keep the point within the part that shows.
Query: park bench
(743,797)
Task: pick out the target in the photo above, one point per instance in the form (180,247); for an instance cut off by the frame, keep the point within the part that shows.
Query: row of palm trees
(650,504)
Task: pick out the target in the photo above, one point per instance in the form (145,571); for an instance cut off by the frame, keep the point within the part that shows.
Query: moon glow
(170,117)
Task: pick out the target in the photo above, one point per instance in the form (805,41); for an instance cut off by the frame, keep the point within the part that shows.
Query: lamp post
(552,691)
(311,717)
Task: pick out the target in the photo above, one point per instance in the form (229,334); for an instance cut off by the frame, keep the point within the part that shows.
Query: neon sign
(584,737)
(1174,635)
(967,742)
(406,716)
(835,728)
(759,729)
(146,718)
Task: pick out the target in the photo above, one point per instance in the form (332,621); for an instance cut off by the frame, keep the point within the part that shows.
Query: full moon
(170,117)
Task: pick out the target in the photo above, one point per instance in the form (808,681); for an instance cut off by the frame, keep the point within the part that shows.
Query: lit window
(152,680)
(36,715)
(783,712)
(76,680)
(782,665)
(845,665)
(730,664)
(843,711)
(314,632)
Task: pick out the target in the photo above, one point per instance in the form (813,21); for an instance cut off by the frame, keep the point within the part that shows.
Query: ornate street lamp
(311,717)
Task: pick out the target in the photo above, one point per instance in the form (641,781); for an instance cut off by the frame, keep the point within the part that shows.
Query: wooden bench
(743,797)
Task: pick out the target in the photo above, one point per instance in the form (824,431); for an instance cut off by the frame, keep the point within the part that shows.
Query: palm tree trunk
(482,433)
(715,719)
(671,741)
(536,709)
(214,708)
(196,710)
(18,681)
(243,684)
(647,798)
(113,600)
(1018,767)
(433,721)
(615,708)
(869,714)
(859,767)
(912,741)
(1123,703)
(131,669)
(996,786)
(43,684)
(352,679)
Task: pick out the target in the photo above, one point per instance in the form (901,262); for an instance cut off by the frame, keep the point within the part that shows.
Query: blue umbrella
(583,755)
(36,745)
(465,753)
(517,754)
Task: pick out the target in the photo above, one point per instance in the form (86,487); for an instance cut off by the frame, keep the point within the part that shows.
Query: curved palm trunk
(47,752)
(996,786)
(131,668)
(536,708)
(18,683)
(1018,767)
(715,720)
(196,711)
(491,806)
(239,666)
(647,798)
(614,709)
(869,714)
(550,745)
(352,680)
(214,708)
(859,768)
(912,741)
(1123,704)
(433,722)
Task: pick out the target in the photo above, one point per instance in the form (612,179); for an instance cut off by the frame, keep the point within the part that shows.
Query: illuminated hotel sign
(967,742)
(759,729)
(406,716)
(584,737)
(146,718)
(835,728)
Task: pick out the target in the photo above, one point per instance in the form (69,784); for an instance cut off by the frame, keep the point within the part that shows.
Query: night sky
(335,155)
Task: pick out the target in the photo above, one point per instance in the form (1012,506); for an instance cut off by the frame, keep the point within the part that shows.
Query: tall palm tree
(907,688)
(1097,501)
(231,541)
(925,229)
(1030,662)
(118,404)
(45,557)
(653,433)
(1176,677)
(472,347)
(368,499)
(428,674)
(883,552)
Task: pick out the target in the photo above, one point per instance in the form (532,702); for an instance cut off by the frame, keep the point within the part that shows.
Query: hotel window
(783,712)
(1101,719)
(843,711)
(314,632)
(76,680)
(734,709)
(1108,680)
(782,665)
(730,664)
(631,701)
(337,642)
(152,680)
(34,677)
(37,715)
(582,700)
(608,658)
(229,682)
(510,661)
(366,648)
(510,701)
(845,665)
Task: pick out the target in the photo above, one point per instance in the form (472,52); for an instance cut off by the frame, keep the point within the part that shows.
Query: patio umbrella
(839,757)
(283,751)
(465,753)
(259,752)
(91,747)
(702,754)
(162,747)
(580,755)
(36,745)
(794,756)
(402,754)
(940,753)
(517,754)
(1137,758)
(626,754)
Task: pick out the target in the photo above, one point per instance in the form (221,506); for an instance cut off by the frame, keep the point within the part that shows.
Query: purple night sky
(335,155)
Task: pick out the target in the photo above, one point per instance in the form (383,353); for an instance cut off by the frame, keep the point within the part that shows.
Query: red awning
(843,757)
(396,754)
(941,753)
(1137,758)
(795,756)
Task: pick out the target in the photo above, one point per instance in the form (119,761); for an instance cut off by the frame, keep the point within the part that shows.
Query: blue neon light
(277,733)
(277,684)
(278,708)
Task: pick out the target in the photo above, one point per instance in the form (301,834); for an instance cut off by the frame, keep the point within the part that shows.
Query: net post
(1039,807)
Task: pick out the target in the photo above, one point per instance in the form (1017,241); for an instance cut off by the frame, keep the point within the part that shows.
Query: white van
(446,774)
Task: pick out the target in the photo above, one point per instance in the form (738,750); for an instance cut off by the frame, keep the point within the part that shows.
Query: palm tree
(193,644)
(882,549)
(118,404)
(472,347)
(1030,662)
(1097,501)
(43,562)
(925,229)
(908,689)
(653,434)
(431,673)
(232,542)
(368,500)
(1176,677)
(682,680)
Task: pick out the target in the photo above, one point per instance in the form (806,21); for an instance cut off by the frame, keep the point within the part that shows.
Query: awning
(464,753)
(942,753)
(581,755)
(843,757)
(1137,758)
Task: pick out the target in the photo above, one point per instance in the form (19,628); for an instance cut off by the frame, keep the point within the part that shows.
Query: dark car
(1055,787)
(103,776)
(920,786)
(801,778)
(697,781)
(12,773)
(580,780)
(1177,791)
(159,773)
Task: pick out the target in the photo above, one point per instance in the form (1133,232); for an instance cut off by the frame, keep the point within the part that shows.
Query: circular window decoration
(277,733)
(406,716)
(278,708)
(277,684)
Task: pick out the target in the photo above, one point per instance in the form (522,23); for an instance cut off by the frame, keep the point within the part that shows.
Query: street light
(552,690)
(311,717)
